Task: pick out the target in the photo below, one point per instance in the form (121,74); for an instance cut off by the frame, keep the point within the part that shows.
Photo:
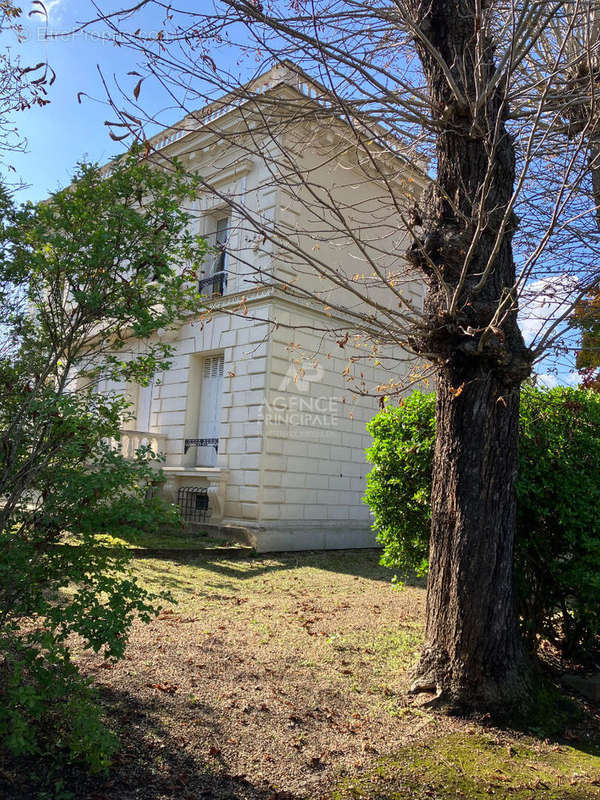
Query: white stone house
(257,406)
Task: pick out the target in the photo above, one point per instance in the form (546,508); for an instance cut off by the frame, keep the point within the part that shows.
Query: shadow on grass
(152,763)
(243,566)
(177,538)
(560,716)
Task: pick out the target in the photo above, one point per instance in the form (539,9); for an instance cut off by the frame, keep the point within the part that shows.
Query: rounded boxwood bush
(557,560)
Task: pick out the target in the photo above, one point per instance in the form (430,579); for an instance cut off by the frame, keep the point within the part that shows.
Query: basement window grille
(193,502)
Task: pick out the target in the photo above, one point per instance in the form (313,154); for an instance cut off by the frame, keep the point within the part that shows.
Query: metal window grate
(214,284)
(151,492)
(193,502)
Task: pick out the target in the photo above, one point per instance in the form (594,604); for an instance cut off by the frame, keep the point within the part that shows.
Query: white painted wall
(292,434)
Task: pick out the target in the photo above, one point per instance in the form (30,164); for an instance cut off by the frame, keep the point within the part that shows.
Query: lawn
(170,539)
(285,677)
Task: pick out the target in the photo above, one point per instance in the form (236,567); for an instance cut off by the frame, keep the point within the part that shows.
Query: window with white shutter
(211,391)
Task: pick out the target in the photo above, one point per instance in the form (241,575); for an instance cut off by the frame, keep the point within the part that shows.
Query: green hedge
(557,564)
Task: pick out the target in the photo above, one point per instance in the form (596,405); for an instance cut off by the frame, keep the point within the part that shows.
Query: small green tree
(558,496)
(587,319)
(100,264)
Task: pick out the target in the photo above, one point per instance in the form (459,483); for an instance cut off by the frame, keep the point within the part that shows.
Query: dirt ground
(272,678)
(277,674)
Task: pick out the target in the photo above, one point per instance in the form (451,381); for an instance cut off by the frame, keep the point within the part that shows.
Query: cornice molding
(229,302)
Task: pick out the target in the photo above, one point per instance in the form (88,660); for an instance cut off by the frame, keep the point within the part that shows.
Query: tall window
(215,271)
(211,391)
(144,406)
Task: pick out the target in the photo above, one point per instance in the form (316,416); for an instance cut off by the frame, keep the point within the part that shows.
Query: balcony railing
(210,442)
(213,285)
(133,440)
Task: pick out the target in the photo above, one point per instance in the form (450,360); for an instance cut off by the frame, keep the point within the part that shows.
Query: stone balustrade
(133,440)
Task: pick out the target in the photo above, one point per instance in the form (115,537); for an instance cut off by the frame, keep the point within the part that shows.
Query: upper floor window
(214,281)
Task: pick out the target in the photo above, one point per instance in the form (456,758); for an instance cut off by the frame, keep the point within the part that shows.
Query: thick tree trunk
(473,654)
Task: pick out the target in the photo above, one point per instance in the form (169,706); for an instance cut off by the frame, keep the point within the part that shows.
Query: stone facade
(289,471)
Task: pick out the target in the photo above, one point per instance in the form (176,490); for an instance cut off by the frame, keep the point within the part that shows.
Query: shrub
(558,526)
(79,273)
(557,560)
(399,486)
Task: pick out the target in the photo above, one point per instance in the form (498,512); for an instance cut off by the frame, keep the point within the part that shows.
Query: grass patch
(278,676)
(396,648)
(166,539)
(475,767)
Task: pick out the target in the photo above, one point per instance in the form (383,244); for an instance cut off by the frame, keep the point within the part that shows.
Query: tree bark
(473,654)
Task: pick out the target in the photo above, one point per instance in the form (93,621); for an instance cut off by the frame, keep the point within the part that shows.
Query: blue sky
(65,131)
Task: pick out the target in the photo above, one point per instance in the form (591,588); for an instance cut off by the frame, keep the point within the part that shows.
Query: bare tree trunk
(594,163)
(473,653)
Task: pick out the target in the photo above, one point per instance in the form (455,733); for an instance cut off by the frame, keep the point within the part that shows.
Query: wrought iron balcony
(213,285)
(210,442)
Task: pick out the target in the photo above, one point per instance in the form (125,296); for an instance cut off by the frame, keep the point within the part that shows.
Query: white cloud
(51,5)
(547,380)
(52,9)
(543,301)
(572,378)
(551,380)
